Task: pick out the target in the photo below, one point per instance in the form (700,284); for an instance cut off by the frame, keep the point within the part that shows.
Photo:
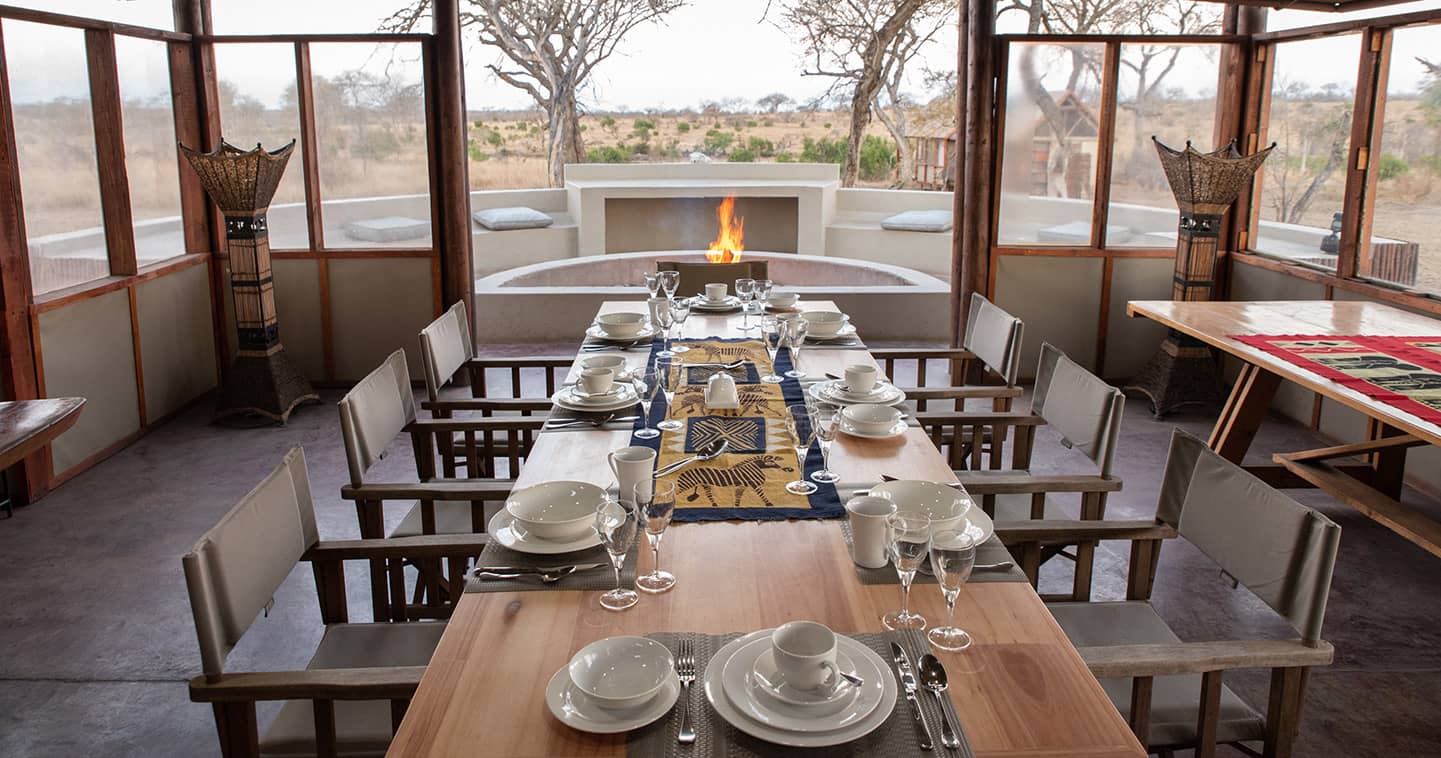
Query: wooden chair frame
(961,365)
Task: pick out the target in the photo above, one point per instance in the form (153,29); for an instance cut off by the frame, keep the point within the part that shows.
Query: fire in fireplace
(730,238)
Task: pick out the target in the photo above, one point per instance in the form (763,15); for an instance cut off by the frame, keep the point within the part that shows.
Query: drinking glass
(669,375)
(679,312)
(771,328)
(952,556)
(763,291)
(616,525)
(745,288)
(909,535)
(824,417)
(669,280)
(795,337)
(649,388)
(664,320)
(655,502)
(803,433)
(652,282)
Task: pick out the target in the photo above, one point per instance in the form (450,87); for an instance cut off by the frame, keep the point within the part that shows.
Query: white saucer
(645,333)
(502,529)
(766,678)
(570,400)
(716,693)
(579,712)
(846,331)
(830,391)
(896,430)
(701,304)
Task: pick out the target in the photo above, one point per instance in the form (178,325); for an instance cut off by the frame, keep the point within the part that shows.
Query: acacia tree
(864,45)
(548,49)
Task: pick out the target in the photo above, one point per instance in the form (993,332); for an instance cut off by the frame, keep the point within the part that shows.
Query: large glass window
(371,137)
(1406,242)
(1048,175)
(156,14)
(55,137)
(258,104)
(150,156)
(291,17)
(1167,92)
(1303,182)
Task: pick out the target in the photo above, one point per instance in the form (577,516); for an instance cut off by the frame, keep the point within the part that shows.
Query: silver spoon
(714,450)
(933,676)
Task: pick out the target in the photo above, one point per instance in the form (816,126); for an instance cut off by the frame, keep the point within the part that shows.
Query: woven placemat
(991,551)
(601,578)
(717,739)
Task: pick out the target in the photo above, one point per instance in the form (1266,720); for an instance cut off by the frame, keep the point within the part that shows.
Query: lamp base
(1182,372)
(263,384)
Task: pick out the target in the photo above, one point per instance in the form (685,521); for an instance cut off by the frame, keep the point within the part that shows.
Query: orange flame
(729,240)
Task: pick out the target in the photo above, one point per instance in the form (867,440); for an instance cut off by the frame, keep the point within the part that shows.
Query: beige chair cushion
(995,337)
(451,517)
(1174,699)
(444,347)
(1083,409)
(374,412)
(362,727)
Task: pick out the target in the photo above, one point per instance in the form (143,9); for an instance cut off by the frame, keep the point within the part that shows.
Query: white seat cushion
(1174,699)
(388,229)
(451,517)
(362,727)
(919,221)
(501,219)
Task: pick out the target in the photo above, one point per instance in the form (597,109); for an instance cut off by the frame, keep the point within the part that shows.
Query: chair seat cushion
(388,229)
(502,219)
(451,517)
(362,727)
(1017,507)
(1174,699)
(919,221)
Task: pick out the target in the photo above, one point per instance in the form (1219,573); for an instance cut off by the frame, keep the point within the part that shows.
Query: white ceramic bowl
(825,323)
(782,299)
(870,418)
(615,363)
(621,324)
(946,506)
(555,510)
(621,672)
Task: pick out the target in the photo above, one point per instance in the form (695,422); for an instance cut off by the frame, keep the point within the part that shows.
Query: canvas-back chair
(1171,691)
(990,351)
(358,683)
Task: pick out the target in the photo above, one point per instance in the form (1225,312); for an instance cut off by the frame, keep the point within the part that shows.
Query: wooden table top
(28,425)
(1021,690)
(1214,322)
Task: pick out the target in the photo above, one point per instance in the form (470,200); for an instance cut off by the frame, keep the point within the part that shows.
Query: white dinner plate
(645,333)
(973,521)
(575,710)
(896,430)
(502,529)
(845,332)
(570,400)
(755,703)
(701,304)
(830,391)
(716,695)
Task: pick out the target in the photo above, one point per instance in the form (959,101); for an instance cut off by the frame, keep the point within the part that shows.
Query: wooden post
(450,170)
(1252,102)
(110,151)
(975,142)
(959,271)
(1366,119)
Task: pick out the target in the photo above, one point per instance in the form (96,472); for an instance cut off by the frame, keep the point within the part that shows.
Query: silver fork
(685,670)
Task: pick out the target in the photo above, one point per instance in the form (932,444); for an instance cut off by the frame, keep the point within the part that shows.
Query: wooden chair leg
(397,608)
(1142,573)
(235,724)
(1085,560)
(1031,562)
(1283,716)
(1208,716)
(324,712)
(1141,688)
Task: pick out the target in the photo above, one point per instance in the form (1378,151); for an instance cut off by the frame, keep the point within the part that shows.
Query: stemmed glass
(616,525)
(669,280)
(649,388)
(825,417)
(795,337)
(909,535)
(664,319)
(679,312)
(763,292)
(803,433)
(655,502)
(668,375)
(770,327)
(745,289)
(652,282)
(953,554)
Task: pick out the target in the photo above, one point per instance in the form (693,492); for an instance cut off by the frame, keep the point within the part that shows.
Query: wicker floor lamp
(1183,371)
(262,381)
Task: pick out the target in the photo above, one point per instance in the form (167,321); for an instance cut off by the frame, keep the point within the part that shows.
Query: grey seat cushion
(501,219)
(1174,699)
(362,727)
(388,229)
(1079,233)
(919,221)
(451,517)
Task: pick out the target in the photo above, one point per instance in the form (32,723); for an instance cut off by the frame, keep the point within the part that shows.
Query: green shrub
(751,124)
(878,158)
(1392,166)
(640,148)
(823,150)
(827,124)
(607,122)
(476,154)
(785,157)
(642,124)
(742,155)
(717,142)
(683,127)
(607,155)
(763,147)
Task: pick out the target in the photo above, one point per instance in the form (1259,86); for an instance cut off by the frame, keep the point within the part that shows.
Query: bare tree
(774,102)
(864,45)
(548,49)
(1152,64)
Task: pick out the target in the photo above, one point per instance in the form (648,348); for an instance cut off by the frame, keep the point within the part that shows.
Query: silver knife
(908,683)
(535,569)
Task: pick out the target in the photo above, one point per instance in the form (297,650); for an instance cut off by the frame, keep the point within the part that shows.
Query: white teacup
(631,466)
(867,515)
(860,378)
(805,654)
(615,363)
(621,325)
(597,381)
(715,293)
(871,418)
(826,323)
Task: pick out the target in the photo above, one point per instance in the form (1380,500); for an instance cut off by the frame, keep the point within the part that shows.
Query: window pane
(1169,92)
(1405,242)
(1287,18)
(258,104)
(156,14)
(55,136)
(1052,124)
(1303,183)
(370,133)
(290,17)
(150,157)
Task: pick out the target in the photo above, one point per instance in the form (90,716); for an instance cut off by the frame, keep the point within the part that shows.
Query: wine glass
(679,312)
(825,417)
(953,554)
(616,525)
(795,337)
(652,282)
(663,322)
(649,389)
(908,537)
(668,375)
(763,291)
(771,328)
(745,289)
(803,433)
(669,280)
(655,502)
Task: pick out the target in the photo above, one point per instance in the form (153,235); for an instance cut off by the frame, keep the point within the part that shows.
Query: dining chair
(359,681)
(990,348)
(1076,406)
(1171,692)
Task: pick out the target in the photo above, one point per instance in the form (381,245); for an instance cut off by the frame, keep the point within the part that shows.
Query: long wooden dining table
(1021,690)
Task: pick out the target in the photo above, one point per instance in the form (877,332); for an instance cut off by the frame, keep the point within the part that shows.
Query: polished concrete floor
(98,640)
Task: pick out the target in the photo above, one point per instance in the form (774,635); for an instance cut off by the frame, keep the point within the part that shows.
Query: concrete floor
(99,642)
